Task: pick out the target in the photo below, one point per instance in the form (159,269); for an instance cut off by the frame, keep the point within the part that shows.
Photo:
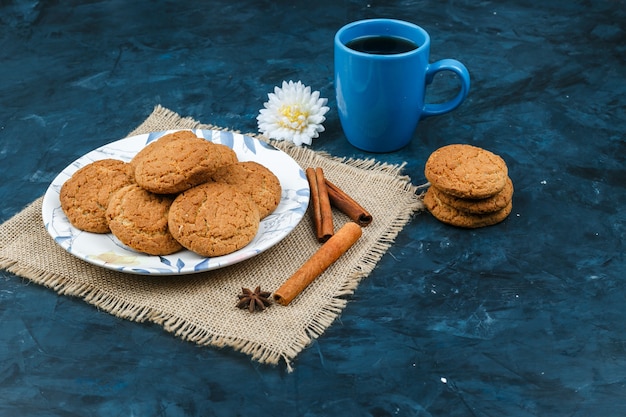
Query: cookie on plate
(213,219)
(478,206)
(256,180)
(85,195)
(138,218)
(171,165)
(148,149)
(466,171)
(450,215)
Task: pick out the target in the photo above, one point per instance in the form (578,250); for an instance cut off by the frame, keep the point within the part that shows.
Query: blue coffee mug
(381,72)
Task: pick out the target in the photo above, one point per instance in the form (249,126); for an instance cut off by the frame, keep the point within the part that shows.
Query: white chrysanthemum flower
(293,114)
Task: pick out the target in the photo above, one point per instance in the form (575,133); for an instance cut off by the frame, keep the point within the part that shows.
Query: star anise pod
(254,300)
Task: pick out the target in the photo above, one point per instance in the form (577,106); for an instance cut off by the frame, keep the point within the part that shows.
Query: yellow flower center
(294,117)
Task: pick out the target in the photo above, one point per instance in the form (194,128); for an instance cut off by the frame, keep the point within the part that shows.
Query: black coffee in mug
(381,45)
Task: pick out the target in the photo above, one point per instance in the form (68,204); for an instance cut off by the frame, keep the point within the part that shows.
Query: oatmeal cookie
(466,171)
(149,148)
(256,180)
(450,215)
(138,218)
(213,219)
(478,206)
(170,166)
(85,196)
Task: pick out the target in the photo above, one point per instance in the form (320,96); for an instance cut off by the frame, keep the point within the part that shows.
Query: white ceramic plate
(107,251)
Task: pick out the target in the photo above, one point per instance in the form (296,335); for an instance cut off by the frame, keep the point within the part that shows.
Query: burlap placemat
(201,307)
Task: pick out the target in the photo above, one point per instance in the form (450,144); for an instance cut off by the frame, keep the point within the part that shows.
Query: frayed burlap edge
(185,330)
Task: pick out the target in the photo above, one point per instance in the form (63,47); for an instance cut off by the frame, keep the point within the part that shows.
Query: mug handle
(461,71)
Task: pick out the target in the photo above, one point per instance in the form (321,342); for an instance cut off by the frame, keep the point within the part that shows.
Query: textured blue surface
(527,318)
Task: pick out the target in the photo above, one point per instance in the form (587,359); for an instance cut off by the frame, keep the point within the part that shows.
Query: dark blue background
(526,318)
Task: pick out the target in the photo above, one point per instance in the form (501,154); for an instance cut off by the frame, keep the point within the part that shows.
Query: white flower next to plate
(293,114)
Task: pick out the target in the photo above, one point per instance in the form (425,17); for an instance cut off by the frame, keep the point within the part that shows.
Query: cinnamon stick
(321,210)
(325,256)
(347,205)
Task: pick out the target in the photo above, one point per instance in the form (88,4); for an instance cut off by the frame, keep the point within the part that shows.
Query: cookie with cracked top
(138,218)
(213,219)
(85,195)
(256,180)
(466,171)
(149,148)
(171,164)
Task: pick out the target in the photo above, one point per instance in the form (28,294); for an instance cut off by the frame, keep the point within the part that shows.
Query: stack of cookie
(470,186)
(178,192)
